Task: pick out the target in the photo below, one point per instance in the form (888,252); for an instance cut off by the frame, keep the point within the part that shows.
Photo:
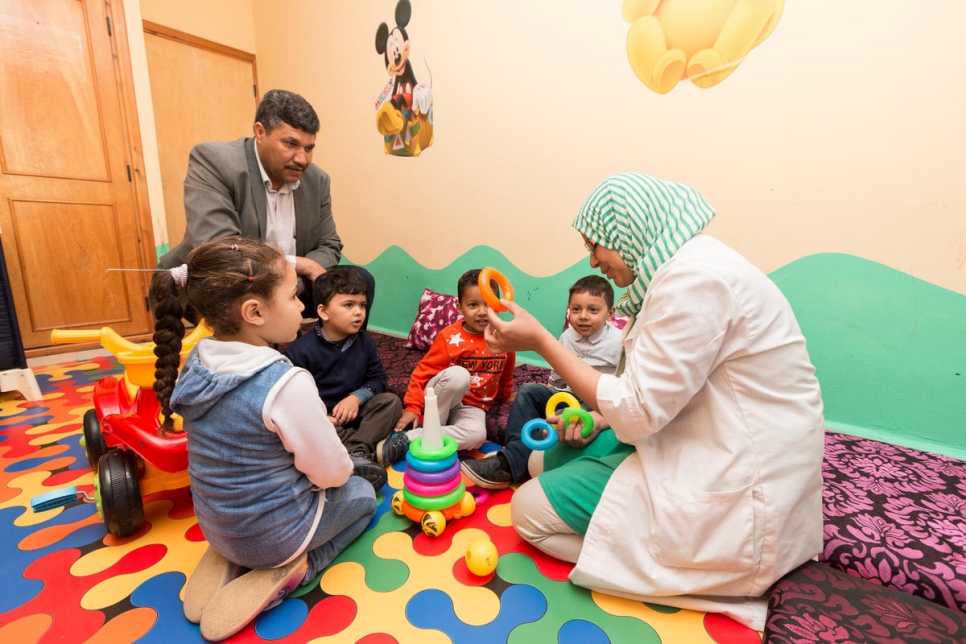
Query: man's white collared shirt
(280,219)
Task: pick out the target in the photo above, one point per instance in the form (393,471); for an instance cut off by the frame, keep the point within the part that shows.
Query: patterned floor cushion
(896,516)
(816,603)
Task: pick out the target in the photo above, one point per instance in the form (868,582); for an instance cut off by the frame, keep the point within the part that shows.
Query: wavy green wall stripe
(889,350)
(400,281)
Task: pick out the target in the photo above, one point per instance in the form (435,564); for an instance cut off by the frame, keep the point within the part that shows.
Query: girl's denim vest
(253,506)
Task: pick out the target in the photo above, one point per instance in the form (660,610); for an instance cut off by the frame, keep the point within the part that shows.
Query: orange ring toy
(487,275)
(463,508)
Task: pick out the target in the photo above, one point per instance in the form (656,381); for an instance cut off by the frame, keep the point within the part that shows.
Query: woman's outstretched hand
(522,333)
(525,333)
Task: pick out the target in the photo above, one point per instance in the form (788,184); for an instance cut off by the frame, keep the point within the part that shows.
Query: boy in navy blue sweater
(342,358)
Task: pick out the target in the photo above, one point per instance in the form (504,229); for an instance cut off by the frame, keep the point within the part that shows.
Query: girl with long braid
(271,482)
(701,483)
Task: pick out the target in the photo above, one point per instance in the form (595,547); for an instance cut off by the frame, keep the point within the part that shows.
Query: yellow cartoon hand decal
(704,40)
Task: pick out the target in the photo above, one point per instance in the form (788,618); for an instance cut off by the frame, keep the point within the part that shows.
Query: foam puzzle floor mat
(66,579)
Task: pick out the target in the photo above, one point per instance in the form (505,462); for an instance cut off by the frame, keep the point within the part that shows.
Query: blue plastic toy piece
(536,425)
(54,499)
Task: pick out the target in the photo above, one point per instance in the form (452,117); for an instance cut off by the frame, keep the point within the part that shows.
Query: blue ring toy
(535,444)
(423,465)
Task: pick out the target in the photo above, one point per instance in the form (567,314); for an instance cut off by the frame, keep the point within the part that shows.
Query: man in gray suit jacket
(266,187)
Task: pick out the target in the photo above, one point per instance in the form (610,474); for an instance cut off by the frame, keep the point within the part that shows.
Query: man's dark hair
(280,106)
(472,278)
(595,285)
(339,280)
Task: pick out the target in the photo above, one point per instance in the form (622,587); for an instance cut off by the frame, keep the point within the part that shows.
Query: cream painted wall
(841,132)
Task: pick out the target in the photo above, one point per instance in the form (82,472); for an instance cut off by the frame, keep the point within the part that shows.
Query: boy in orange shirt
(466,377)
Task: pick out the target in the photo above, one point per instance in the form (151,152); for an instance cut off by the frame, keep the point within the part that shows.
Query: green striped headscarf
(644,219)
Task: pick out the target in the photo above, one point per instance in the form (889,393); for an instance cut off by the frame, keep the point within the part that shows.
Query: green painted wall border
(889,349)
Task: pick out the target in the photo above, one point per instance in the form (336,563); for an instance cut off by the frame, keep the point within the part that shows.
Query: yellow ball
(396,502)
(433,523)
(467,505)
(481,557)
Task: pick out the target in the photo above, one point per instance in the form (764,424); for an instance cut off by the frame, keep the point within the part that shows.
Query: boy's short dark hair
(472,278)
(594,285)
(339,280)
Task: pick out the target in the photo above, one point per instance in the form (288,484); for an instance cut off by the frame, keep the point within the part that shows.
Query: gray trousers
(376,420)
(464,423)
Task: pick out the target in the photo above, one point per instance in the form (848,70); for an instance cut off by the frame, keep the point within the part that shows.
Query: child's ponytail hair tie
(180,275)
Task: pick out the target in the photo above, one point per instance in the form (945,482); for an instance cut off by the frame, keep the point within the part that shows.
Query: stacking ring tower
(433,490)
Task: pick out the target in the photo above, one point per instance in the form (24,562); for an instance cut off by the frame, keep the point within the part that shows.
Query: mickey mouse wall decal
(404,108)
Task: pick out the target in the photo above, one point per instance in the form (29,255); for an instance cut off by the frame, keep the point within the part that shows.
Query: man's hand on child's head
(407,420)
(308,268)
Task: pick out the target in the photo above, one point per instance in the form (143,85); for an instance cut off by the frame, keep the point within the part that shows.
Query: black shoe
(363,466)
(490,472)
(392,449)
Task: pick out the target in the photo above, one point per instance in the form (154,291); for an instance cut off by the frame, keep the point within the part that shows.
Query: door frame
(125,82)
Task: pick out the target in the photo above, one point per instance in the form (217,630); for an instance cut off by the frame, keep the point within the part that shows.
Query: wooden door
(68,202)
(201,91)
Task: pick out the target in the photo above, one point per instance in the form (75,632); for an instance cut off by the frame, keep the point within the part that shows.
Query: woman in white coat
(701,483)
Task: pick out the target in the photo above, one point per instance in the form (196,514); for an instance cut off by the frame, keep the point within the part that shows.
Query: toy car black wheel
(94,443)
(120,492)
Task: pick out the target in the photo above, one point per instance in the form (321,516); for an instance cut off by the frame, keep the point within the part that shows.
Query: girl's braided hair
(219,274)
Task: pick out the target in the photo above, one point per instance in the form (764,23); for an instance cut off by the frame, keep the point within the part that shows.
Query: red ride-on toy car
(130,458)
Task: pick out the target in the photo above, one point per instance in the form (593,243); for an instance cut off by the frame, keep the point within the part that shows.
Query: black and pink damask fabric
(818,604)
(893,570)
(896,516)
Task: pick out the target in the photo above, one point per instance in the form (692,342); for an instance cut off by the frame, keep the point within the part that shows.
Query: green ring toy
(588,421)
(435,502)
(448,449)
